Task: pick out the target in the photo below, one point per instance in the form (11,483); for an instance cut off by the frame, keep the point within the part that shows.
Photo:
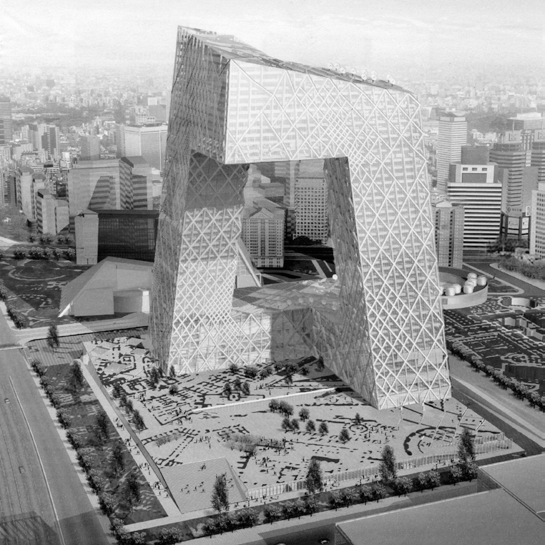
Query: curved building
(379,325)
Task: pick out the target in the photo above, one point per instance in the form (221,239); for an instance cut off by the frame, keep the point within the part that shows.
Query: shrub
(251,371)
(304,414)
(272,512)
(403,485)
(323,428)
(344,436)
(365,493)
(233,368)
(311,426)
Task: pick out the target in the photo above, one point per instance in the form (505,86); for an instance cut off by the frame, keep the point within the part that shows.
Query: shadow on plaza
(26,529)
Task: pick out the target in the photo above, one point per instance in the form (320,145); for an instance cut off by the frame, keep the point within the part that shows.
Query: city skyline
(372,36)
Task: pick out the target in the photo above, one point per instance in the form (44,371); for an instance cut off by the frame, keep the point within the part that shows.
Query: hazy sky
(371,34)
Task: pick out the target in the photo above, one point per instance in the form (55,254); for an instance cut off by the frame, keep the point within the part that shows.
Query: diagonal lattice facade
(231,106)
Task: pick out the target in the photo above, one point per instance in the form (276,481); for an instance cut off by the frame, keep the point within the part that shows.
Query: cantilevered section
(233,105)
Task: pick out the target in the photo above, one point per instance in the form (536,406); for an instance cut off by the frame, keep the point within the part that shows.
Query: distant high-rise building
(452,136)
(263,233)
(96,181)
(90,147)
(537,236)
(477,189)
(449,233)
(146,141)
(311,208)
(537,159)
(6,127)
(520,180)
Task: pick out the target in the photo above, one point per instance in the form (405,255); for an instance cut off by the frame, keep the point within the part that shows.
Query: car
(323,541)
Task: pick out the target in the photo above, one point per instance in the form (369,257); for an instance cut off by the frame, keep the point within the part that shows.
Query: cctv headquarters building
(378,324)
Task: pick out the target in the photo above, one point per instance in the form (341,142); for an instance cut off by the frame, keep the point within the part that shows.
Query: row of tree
(48,238)
(519,390)
(530,270)
(35,252)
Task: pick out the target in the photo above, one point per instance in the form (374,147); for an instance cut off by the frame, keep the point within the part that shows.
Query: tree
(286,424)
(117,460)
(294,424)
(233,368)
(246,388)
(107,503)
(335,499)
(251,371)
(227,390)
(470,470)
(237,383)
(311,426)
(466,447)
(403,485)
(285,408)
(173,390)
(246,518)
(433,479)
(304,414)
(314,480)
(366,493)
(170,536)
(76,376)
(220,494)
(358,419)
(379,492)
(138,421)
(422,481)
(344,436)
(272,512)
(101,422)
(53,336)
(348,497)
(455,474)
(387,468)
(323,428)
(132,489)
(117,390)
(274,405)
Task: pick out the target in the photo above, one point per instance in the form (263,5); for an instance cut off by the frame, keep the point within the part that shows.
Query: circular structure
(461,289)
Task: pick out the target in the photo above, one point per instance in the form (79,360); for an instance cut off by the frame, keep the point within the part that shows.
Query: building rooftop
(525,478)
(493,517)
(230,48)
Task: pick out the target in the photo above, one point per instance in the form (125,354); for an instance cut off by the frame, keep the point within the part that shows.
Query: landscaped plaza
(195,429)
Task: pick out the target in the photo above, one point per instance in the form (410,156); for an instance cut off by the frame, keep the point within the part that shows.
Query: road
(529,289)
(19,462)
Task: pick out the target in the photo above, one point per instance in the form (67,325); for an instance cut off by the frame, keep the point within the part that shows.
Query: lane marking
(41,463)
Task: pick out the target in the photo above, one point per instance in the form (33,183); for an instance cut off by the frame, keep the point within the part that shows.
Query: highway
(22,446)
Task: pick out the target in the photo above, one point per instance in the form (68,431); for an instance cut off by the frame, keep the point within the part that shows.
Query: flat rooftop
(493,517)
(525,478)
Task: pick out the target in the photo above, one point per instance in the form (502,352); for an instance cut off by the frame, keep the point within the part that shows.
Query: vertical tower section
(196,125)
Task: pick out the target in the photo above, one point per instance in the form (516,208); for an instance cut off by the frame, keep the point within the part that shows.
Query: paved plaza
(195,432)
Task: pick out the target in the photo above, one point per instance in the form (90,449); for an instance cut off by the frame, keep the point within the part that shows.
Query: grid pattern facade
(482,217)
(449,235)
(311,209)
(128,234)
(231,106)
(537,238)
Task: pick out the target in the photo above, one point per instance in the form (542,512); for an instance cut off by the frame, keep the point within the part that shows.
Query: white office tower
(537,230)
(452,136)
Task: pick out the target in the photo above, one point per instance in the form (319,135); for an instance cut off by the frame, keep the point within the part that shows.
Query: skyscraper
(476,187)
(452,136)
(537,237)
(6,129)
(449,233)
(379,325)
(90,147)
